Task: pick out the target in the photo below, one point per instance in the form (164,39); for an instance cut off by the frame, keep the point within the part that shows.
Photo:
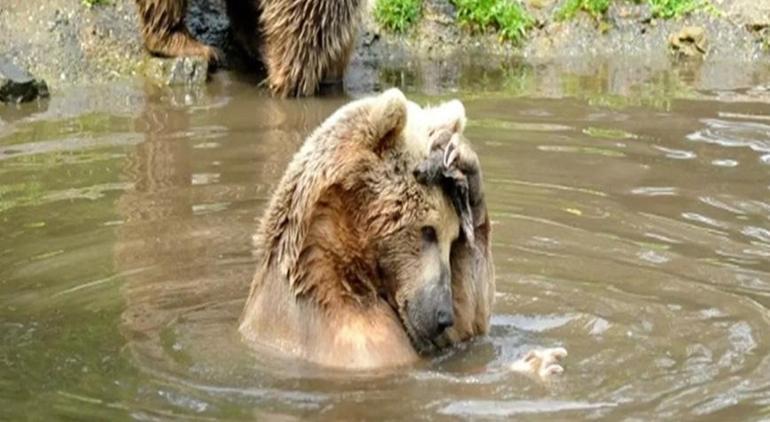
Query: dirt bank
(68,44)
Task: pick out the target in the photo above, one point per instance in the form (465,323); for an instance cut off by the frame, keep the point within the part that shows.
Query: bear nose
(444,319)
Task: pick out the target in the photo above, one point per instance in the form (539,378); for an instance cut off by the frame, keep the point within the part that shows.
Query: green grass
(668,9)
(397,15)
(507,17)
(595,8)
(91,3)
(664,9)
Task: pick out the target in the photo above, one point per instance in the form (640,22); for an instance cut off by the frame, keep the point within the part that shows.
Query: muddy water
(631,225)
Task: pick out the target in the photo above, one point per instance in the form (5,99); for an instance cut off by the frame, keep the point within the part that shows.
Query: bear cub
(302,43)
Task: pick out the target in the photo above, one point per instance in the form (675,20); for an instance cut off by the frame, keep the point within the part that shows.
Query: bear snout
(431,311)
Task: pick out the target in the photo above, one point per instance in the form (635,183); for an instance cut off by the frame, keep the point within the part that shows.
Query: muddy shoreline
(70,45)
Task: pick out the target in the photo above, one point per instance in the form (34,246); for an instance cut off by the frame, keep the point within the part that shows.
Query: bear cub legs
(164,31)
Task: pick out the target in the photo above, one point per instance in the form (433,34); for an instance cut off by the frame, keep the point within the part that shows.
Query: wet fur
(318,293)
(301,42)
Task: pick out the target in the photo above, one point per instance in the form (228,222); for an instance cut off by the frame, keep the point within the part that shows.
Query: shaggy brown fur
(165,33)
(301,42)
(305,41)
(340,259)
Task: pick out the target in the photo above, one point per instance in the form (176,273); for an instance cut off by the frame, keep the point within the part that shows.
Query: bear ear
(447,116)
(387,118)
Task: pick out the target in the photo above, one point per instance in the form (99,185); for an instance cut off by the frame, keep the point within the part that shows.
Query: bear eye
(429,234)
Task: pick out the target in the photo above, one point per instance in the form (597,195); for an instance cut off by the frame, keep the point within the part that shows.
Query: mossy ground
(665,9)
(595,8)
(668,9)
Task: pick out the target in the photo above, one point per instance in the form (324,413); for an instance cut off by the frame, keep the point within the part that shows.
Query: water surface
(631,218)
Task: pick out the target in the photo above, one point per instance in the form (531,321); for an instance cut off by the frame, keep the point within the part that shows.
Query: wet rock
(176,71)
(17,85)
(690,41)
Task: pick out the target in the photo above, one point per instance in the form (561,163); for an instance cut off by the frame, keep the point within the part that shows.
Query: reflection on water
(631,225)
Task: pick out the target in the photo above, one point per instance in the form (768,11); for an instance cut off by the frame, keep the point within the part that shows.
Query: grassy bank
(511,20)
(506,17)
(397,15)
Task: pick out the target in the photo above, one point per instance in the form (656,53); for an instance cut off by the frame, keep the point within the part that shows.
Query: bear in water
(375,247)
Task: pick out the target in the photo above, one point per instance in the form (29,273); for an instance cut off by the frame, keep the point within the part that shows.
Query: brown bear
(301,42)
(375,246)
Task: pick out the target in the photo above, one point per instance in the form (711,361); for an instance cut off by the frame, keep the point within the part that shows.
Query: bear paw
(542,363)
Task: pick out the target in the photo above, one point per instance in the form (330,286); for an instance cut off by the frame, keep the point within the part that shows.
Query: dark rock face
(17,85)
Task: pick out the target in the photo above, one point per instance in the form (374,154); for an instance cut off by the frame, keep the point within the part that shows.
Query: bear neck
(349,336)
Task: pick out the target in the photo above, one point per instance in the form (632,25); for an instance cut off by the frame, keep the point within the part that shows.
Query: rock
(17,85)
(176,71)
(440,10)
(690,41)
(751,13)
(437,27)
(368,38)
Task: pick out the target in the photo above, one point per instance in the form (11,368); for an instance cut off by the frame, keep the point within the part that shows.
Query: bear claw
(452,150)
(541,362)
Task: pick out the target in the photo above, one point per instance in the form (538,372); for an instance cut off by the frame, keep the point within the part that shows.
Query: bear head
(363,217)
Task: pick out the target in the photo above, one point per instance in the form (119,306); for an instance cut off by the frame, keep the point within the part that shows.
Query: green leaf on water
(596,132)
(46,255)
